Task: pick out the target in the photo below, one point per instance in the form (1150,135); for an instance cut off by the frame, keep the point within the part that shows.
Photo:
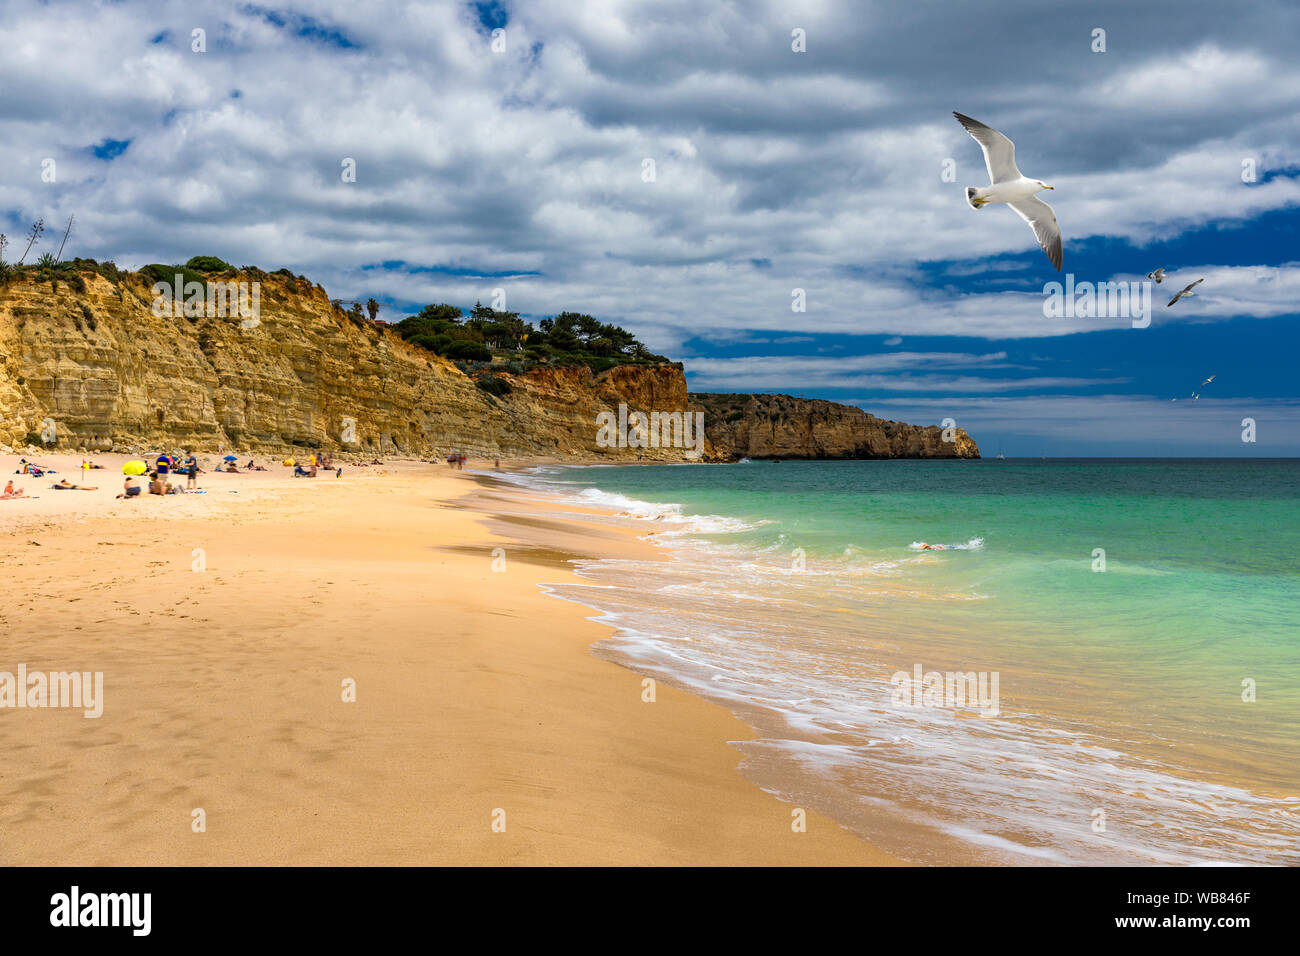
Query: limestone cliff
(780,426)
(96,369)
(86,364)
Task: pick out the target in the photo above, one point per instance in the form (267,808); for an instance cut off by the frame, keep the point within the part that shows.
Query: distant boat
(1001,457)
(743,461)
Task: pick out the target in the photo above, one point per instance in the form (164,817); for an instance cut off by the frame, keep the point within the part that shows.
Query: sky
(793,146)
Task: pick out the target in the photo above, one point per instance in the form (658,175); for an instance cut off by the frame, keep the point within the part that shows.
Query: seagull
(1210,379)
(1158,275)
(1187,291)
(1196,396)
(1008,185)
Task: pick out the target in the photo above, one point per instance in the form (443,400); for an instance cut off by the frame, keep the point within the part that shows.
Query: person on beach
(191,471)
(66,485)
(130,489)
(12,492)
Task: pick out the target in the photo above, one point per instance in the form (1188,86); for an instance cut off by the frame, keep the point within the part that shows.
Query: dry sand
(476,692)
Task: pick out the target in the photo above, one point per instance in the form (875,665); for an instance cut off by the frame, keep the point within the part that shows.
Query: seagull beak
(1051,187)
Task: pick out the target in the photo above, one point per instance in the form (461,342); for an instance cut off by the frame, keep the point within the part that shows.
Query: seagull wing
(999,152)
(1042,220)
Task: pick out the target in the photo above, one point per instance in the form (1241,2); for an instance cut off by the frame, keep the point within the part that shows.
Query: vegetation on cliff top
(570,338)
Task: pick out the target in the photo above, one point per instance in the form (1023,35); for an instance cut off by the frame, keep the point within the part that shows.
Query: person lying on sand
(12,492)
(130,489)
(66,485)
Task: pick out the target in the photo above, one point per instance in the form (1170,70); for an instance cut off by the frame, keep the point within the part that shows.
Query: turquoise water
(796,590)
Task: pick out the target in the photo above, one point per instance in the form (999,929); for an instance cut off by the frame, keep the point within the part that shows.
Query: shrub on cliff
(209,264)
(157,272)
(468,352)
(493,385)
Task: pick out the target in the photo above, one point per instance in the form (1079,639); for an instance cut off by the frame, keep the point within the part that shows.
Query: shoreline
(476,691)
(664,614)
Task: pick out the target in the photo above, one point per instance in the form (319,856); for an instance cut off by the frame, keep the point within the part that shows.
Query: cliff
(780,426)
(85,364)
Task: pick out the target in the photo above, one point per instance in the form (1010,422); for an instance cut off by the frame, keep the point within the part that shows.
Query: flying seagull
(1008,185)
(1187,291)
(1196,396)
(1158,275)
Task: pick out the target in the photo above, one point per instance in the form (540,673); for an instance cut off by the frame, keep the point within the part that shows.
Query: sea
(1095,661)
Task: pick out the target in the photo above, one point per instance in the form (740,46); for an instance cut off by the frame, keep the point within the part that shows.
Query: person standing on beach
(191,471)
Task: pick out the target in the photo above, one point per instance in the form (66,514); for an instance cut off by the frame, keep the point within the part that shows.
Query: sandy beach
(229,625)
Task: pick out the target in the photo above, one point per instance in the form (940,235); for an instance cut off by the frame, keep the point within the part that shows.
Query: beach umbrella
(134,468)
(230,458)
(289,462)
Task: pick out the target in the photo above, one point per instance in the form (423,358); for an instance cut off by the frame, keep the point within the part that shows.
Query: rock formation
(780,426)
(86,364)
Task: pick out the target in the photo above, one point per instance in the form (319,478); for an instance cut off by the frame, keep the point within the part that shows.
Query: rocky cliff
(85,363)
(780,426)
(95,368)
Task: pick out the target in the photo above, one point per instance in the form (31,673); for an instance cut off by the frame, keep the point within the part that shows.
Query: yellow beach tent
(134,468)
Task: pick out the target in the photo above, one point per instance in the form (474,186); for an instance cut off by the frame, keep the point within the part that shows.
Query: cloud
(526,169)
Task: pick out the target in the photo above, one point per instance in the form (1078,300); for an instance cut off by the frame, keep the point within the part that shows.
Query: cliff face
(88,365)
(779,426)
(104,373)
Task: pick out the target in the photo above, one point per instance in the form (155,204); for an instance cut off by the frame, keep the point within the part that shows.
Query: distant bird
(1008,185)
(1196,396)
(1158,275)
(1187,291)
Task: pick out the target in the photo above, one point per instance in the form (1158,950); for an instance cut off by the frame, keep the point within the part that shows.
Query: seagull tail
(970,197)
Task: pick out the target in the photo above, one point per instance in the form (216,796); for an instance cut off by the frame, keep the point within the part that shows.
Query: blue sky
(520,167)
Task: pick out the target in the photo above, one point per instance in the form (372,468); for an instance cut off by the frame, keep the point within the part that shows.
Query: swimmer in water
(933,547)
